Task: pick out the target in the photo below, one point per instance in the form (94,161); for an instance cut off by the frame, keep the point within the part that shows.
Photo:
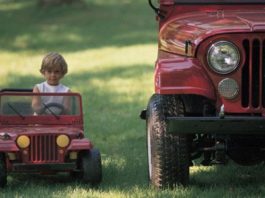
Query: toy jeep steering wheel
(52,108)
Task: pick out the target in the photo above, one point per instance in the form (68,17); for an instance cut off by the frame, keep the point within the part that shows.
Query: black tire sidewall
(168,156)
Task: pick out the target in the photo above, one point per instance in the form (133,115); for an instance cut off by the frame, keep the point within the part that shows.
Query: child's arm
(36,101)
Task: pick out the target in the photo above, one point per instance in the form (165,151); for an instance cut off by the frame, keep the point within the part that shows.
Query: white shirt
(44,87)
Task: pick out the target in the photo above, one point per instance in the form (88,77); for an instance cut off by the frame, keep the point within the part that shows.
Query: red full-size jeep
(209,79)
(48,141)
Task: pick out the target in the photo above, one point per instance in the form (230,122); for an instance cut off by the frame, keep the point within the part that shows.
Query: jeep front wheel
(168,155)
(91,166)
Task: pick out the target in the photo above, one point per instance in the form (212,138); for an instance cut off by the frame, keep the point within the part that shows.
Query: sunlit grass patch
(9,5)
(106,57)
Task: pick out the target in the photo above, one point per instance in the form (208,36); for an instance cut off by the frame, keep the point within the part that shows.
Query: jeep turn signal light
(62,141)
(73,155)
(23,141)
(228,88)
(11,156)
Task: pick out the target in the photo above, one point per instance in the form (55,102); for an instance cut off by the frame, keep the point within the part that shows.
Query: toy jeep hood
(194,27)
(13,131)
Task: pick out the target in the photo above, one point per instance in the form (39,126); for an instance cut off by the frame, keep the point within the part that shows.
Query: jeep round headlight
(23,141)
(223,57)
(62,141)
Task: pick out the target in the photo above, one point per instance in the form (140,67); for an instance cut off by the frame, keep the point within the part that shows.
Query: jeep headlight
(23,141)
(62,141)
(223,57)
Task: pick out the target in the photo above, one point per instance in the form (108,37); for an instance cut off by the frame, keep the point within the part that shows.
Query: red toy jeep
(209,79)
(48,141)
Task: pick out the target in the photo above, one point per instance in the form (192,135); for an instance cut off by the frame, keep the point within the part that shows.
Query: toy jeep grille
(253,72)
(43,148)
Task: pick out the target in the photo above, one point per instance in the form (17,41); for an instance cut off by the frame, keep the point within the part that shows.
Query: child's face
(53,76)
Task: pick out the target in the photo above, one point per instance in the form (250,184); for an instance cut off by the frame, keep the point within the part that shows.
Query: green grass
(111,48)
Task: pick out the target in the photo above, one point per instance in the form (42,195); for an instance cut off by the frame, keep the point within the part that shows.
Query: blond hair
(53,60)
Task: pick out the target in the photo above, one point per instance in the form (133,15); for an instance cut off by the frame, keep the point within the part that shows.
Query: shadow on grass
(26,27)
(231,176)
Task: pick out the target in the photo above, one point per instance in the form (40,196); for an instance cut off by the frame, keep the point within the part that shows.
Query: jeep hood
(13,132)
(197,26)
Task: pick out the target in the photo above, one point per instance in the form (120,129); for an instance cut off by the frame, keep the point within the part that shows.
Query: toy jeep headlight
(223,57)
(23,141)
(62,141)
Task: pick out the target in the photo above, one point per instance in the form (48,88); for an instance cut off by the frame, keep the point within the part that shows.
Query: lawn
(111,48)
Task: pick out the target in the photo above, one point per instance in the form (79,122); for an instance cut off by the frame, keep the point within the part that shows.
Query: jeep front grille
(43,148)
(253,73)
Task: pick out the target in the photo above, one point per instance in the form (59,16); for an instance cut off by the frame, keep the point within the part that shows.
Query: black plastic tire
(3,172)
(168,154)
(91,166)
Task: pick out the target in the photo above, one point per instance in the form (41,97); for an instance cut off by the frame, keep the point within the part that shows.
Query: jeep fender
(8,146)
(182,75)
(80,144)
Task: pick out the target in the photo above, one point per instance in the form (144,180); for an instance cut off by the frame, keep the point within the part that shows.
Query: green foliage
(110,47)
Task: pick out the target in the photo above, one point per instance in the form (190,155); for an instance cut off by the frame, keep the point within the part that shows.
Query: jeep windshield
(37,108)
(219,1)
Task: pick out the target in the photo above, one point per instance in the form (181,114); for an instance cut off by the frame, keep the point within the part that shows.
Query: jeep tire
(91,166)
(168,155)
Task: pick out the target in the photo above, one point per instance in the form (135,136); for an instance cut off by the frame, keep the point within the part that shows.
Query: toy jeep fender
(209,80)
(48,141)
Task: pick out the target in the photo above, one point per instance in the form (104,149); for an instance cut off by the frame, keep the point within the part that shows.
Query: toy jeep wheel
(91,166)
(168,156)
(3,174)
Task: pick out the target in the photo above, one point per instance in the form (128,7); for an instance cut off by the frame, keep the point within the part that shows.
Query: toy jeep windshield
(47,139)
(209,81)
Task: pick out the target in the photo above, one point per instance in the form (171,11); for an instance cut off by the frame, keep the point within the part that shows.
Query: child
(53,68)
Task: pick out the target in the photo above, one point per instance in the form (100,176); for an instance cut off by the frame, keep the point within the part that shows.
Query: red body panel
(80,144)
(186,74)
(182,68)
(198,25)
(8,146)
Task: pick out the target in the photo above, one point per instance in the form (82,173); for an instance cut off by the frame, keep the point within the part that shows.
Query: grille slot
(43,148)
(253,74)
